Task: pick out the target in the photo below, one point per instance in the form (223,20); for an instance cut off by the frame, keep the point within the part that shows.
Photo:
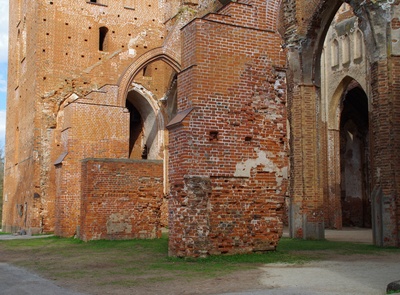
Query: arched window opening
(346,50)
(103,38)
(358,45)
(335,53)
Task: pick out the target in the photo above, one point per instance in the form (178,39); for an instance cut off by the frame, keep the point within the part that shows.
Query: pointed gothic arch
(160,53)
(309,187)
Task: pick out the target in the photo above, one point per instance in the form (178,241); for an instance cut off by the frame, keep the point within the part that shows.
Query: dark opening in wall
(146,72)
(135,132)
(93,1)
(103,38)
(213,135)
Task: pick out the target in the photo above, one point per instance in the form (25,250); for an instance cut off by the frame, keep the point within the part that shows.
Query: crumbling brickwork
(229,161)
(308,185)
(66,59)
(230,97)
(121,199)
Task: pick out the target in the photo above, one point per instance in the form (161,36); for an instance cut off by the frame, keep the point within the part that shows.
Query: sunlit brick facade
(217,120)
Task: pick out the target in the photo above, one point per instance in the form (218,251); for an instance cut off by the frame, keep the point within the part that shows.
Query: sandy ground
(357,276)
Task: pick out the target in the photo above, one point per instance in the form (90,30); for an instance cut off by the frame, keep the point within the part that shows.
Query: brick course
(121,199)
(242,70)
(228,159)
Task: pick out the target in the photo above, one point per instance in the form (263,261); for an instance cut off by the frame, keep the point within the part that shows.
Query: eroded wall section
(228,161)
(121,199)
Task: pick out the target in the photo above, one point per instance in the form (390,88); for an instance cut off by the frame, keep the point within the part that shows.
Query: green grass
(340,248)
(288,251)
(142,262)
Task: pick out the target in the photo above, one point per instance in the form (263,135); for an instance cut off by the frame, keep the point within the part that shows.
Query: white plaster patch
(138,40)
(72,98)
(384,4)
(132,52)
(278,86)
(396,33)
(243,169)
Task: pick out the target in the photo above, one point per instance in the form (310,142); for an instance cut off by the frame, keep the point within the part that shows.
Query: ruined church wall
(21,180)
(54,52)
(89,130)
(343,59)
(70,60)
(306,25)
(228,163)
(121,199)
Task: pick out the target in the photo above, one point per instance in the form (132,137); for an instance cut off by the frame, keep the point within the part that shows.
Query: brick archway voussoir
(159,53)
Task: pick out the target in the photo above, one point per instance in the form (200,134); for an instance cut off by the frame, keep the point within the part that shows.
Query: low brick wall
(121,199)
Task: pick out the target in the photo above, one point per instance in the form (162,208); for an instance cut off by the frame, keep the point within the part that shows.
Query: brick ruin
(219,120)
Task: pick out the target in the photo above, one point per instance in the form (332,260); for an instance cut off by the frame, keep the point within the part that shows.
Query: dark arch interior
(135,131)
(143,135)
(102,39)
(354,160)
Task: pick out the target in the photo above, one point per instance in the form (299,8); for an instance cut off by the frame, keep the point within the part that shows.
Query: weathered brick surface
(55,63)
(242,70)
(86,133)
(22,165)
(396,137)
(228,161)
(304,36)
(121,199)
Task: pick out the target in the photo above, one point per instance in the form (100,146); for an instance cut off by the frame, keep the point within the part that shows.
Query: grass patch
(330,247)
(141,262)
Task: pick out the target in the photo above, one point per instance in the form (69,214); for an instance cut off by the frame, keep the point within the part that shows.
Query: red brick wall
(385,150)
(304,23)
(396,137)
(89,130)
(121,199)
(228,158)
(22,166)
(54,51)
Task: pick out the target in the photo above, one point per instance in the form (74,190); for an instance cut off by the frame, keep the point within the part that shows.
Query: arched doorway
(334,48)
(354,159)
(344,76)
(141,126)
(146,125)
(151,100)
